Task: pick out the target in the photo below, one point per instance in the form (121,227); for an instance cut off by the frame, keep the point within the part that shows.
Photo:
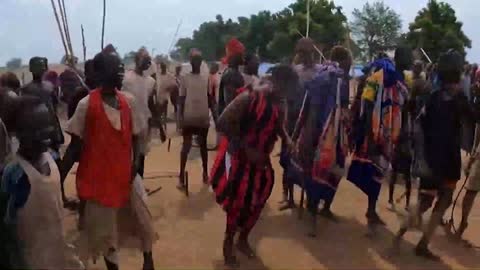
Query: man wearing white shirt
(166,83)
(142,87)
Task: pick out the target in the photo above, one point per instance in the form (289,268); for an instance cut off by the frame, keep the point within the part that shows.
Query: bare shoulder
(84,102)
(129,97)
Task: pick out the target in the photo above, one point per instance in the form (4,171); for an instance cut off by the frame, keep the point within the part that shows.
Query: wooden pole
(83,44)
(314,46)
(64,25)
(103,23)
(308,19)
(67,31)
(59,27)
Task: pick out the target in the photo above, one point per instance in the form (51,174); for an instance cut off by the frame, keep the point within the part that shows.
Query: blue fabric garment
(315,191)
(363,174)
(322,91)
(391,76)
(16,186)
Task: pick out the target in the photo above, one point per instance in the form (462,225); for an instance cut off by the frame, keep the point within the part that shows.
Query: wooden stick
(67,32)
(59,27)
(103,23)
(64,24)
(83,44)
(308,19)
(314,46)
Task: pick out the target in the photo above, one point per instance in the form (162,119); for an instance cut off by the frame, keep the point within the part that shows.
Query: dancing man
(441,122)
(194,115)
(106,126)
(377,126)
(232,78)
(321,133)
(306,69)
(142,87)
(251,123)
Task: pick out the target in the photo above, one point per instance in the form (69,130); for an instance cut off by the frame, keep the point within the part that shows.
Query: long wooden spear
(103,23)
(64,28)
(67,30)
(83,44)
(308,19)
(59,27)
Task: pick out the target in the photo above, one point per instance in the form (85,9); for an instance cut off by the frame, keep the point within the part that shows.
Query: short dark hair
(10,80)
(283,73)
(37,59)
(339,53)
(403,58)
(450,67)
(140,53)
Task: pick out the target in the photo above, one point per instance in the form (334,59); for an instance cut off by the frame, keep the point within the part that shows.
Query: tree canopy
(436,30)
(272,36)
(14,63)
(376,28)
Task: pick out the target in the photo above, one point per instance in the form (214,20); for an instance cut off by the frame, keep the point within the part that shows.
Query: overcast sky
(28,28)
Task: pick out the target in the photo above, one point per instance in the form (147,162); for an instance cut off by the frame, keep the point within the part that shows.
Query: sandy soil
(191,229)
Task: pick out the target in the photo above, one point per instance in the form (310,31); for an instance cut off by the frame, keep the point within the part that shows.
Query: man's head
(196,61)
(7,107)
(143,61)
(304,51)
(214,68)
(109,70)
(90,79)
(284,78)
(235,51)
(34,127)
(403,58)
(450,67)
(38,66)
(417,68)
(178,70)
(251,64)
(163,68)
(9,80)
(342,56)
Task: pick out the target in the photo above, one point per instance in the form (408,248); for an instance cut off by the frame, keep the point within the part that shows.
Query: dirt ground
(191,229)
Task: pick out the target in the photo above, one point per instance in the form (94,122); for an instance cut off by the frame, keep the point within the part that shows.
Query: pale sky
(28,27)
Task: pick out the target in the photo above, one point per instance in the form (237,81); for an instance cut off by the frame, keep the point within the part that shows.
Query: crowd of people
(406,119)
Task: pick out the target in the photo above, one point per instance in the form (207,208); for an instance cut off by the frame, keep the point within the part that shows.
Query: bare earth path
(191,229)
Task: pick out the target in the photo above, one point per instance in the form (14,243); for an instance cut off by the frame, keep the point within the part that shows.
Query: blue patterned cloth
(16,186)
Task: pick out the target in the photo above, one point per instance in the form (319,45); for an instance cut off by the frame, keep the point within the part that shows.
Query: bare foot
(205,178)
(70,204)
(288,205)
(424,252)
(244,247)
(328,214)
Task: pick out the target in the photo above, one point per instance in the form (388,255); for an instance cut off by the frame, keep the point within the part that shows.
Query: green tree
(327,26)
(273,36)
(436,29)
(259,32)
(129,58)
(376,28)
(14,63)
